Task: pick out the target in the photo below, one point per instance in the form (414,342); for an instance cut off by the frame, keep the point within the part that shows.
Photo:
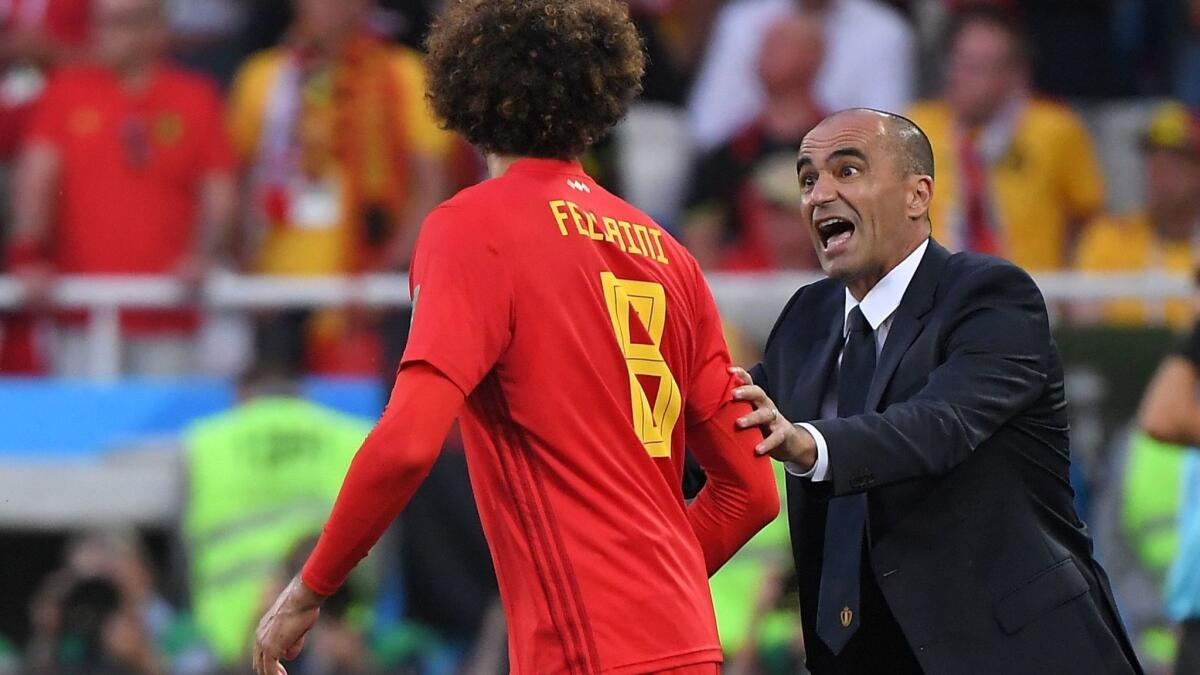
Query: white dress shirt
(878,308)
(869,61)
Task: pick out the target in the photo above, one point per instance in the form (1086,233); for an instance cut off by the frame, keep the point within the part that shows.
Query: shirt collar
(567,166)
(882,300)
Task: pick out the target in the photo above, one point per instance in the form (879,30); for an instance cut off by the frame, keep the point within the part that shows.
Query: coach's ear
(920,196)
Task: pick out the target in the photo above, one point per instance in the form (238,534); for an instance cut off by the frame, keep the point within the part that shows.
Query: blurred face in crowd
(1173,191)
(116,558)
(863,210)
(129,33)
(334,19)
(781,214)
(984,71)
(787,238)
(791,54)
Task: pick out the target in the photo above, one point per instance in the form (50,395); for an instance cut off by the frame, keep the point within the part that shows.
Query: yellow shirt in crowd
(326,250)
(1047,178)
(1130,244)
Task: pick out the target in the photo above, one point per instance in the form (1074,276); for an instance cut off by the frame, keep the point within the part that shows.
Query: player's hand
(784,441)
(281,631)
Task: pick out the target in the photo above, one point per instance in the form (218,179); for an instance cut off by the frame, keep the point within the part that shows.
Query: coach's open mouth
(834,232)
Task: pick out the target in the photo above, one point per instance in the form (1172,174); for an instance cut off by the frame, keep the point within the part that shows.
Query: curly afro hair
(534,78)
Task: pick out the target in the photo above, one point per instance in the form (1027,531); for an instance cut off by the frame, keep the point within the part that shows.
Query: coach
(931,515)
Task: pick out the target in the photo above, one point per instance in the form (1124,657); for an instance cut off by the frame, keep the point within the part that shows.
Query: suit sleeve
(996,354)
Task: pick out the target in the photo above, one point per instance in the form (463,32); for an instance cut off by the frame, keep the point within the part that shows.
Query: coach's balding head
(867,183)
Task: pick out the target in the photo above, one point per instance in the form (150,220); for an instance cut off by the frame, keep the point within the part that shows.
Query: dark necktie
(846,521)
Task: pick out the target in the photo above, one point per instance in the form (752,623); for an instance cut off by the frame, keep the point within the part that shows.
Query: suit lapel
(908,320)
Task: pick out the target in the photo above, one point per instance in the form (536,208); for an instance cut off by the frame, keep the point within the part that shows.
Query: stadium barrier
(749,301)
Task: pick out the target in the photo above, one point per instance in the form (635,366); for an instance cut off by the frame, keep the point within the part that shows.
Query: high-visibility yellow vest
(736,587)
(262,478)
(1150,501)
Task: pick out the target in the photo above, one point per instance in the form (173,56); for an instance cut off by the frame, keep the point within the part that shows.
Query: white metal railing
(751,300)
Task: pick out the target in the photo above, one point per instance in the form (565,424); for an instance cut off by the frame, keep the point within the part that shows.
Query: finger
(772,442)
(752,394)
(294,650)
(758,418)
(265,666)
(266,662)
(741,374)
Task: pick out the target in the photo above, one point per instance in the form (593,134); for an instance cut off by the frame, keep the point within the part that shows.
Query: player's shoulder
(482,196)
(672,247)
(474,214)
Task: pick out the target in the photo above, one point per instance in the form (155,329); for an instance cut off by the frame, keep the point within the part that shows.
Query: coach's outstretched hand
(281,631)
(784,441)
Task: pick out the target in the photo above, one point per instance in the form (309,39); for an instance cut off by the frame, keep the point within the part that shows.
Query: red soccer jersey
(586,340)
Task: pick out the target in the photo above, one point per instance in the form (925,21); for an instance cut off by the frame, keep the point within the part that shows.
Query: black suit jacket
(975,543)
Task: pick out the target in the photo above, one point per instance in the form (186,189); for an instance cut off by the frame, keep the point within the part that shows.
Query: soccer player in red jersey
(581,347)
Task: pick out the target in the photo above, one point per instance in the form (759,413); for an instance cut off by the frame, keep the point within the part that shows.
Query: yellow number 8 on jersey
(638,310)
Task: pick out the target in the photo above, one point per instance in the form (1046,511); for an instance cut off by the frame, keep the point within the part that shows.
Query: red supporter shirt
(586,340)
(132,167)
(64,22)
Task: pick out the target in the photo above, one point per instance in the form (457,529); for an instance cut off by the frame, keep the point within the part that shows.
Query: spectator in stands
(126,171)
(1016,174)
(35,36)
(1170,413)
(870,55)
(1163,237)
(102,613)
(404,21)
(206,34)
(341,157)
(238,532)
(743,209)
(676,33)
(100,635)
(120,557)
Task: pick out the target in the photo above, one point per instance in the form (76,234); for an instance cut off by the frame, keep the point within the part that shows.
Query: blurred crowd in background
(291,138)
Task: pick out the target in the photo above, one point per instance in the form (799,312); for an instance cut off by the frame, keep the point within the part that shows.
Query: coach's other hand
(784,441)
(281,631)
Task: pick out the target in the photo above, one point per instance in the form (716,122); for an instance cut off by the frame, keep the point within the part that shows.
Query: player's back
(592,341)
